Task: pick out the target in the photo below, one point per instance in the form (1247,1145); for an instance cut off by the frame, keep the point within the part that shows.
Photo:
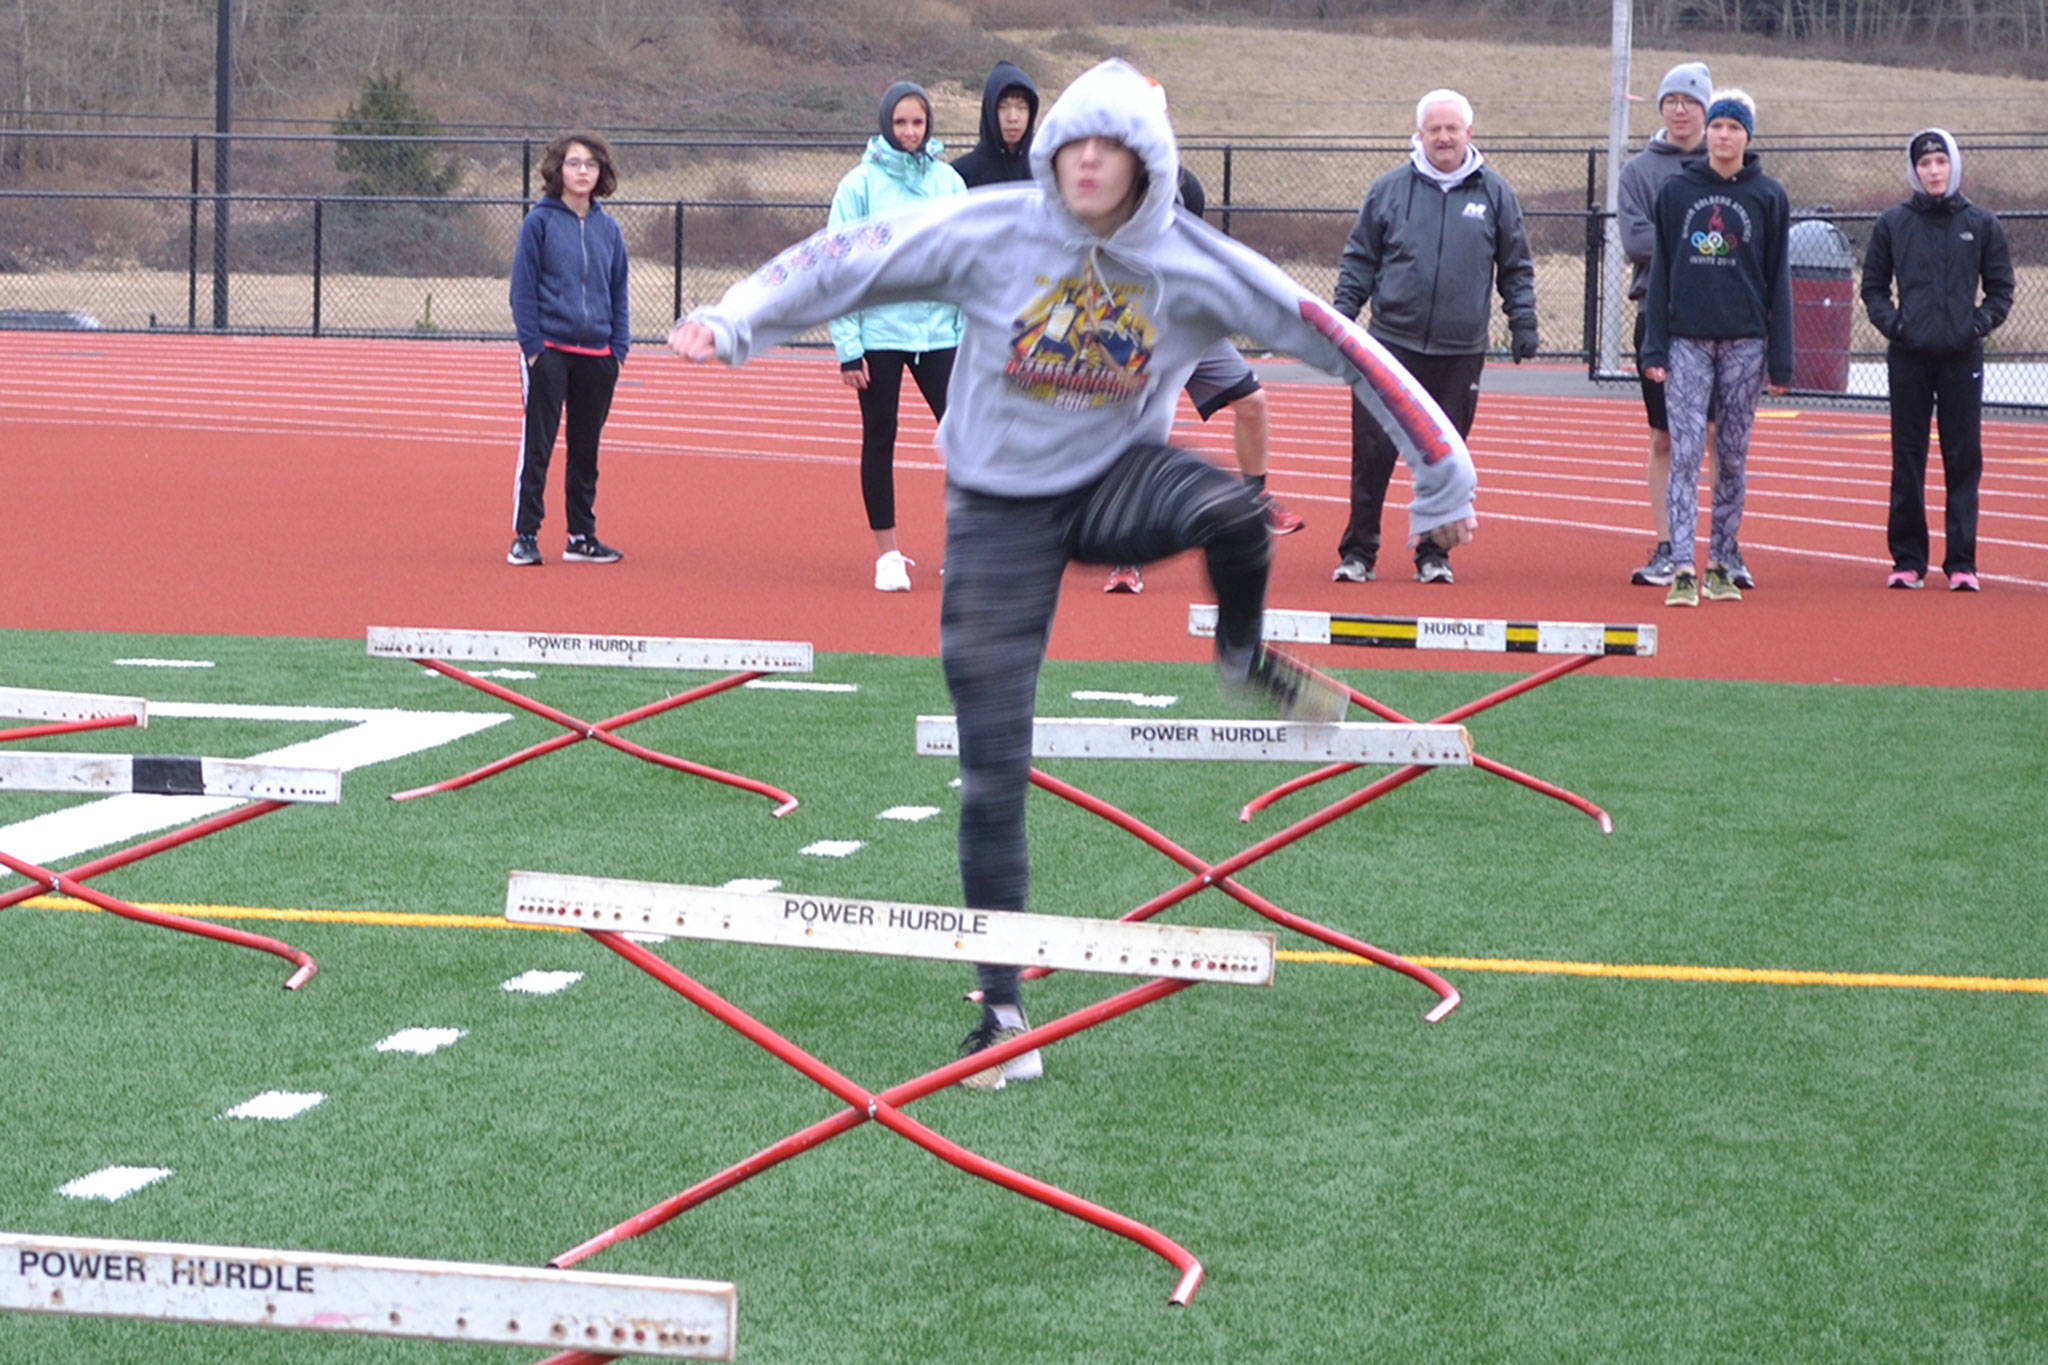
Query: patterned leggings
(1004,561)
(1698,368)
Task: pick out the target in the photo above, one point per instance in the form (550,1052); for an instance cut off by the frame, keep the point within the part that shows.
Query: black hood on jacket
(991,163)
(892,97)
(1004,77)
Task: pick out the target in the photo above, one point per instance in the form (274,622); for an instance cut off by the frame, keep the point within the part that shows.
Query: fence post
(1596,238)
(677,311)
(319,256)
(525,170)
(1226,189)
(192,247)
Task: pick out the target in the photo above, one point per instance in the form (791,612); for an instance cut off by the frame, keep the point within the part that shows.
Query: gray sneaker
(1658,572)
(525,550)
(1738,572)
(985,1035)
(1295,691)
(1434,571)
(1352,571)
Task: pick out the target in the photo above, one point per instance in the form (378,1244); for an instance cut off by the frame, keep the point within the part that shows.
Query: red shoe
(1279,520)
(1125,578)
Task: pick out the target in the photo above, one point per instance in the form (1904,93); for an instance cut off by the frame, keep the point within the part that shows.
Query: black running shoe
(589,550)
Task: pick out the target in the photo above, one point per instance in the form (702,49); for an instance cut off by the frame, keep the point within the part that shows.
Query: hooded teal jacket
(887,179)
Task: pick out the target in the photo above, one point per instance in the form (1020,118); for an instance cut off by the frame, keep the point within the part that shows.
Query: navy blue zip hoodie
(1719,268)
(569,281)
(990,163)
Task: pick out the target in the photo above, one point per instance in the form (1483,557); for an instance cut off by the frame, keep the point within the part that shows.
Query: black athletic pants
(1923,383)
(1453,381)
(932,370)
(1004,560)
(584,383)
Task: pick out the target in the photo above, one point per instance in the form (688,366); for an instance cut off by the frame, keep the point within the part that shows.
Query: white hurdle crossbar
(166,776)
(1443,632)
(384,1296)
(28,703)
(611,651)
(850,924)
(1244,740)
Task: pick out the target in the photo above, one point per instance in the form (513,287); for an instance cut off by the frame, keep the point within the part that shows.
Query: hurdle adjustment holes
(57,1297)
(394,1317)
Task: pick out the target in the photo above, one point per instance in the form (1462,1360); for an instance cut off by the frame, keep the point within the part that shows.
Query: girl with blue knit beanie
(1719,313)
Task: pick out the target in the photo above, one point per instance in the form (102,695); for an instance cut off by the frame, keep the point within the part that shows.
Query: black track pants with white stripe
(583,383)
(1004,560)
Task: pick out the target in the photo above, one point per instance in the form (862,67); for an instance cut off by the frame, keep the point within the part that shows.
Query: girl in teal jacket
(876,345)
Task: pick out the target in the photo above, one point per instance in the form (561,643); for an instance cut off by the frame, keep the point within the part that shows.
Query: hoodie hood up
(894,96)
(1113,100)
(1955,163)
(1004,77)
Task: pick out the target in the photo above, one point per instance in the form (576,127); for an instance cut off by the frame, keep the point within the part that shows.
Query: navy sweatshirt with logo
(1719,267)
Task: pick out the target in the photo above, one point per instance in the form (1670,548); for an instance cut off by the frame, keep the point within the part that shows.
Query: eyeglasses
(578,163)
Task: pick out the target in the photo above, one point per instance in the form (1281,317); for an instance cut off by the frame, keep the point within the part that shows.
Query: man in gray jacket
(1682,102)
(1432,240)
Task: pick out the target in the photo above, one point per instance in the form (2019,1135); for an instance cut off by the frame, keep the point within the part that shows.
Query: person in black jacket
(1009,114)
(1941,249)
(1719,309)
(1433,237)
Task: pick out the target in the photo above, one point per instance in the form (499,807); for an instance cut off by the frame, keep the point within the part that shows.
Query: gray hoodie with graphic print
(1075,346)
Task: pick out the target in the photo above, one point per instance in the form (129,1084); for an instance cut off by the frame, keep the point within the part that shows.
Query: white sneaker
(892,572)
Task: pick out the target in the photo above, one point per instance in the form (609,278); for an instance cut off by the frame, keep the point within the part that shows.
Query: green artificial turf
(1567,1166)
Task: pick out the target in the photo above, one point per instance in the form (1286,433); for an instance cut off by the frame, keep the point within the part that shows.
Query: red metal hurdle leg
(601,732)
(885,1107)
(65,727)
(70,885)
(1491,699)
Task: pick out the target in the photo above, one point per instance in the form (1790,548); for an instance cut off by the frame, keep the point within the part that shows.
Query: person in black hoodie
(1720,318)
(1009,115)
(1942,250)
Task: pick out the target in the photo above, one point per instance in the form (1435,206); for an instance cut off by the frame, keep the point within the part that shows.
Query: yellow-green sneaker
(1719,585)
(1685,590)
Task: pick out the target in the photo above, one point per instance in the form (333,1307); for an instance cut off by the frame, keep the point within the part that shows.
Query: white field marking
(421,1042)
(833,848)
(908,813)
(113,1182)
(372,736)
(1134,698)
(163,663)
(542,983)
(276,1104)
(786,685)
(384,1296)
(751,884)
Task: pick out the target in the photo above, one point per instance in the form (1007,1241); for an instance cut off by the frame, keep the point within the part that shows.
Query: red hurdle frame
(72,883)
(605,909)
(1576,640)
(387,642)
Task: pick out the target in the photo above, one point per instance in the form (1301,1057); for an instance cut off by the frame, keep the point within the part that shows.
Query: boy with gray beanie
(1682,101)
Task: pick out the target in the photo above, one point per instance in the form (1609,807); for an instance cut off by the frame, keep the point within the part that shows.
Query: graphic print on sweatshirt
(1082,344)
(1714,238)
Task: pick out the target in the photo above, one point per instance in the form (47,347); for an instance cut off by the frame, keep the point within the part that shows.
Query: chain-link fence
(304,242)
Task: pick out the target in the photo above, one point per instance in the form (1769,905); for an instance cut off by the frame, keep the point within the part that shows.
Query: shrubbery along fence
(304,253)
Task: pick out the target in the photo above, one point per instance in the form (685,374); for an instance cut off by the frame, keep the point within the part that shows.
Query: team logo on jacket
(1475,209)
(1717,235)
(1082,344)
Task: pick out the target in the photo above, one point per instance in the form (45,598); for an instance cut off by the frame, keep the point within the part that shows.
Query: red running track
(315,487)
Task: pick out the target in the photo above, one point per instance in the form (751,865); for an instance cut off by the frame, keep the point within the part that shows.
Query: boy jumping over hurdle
(1087,300)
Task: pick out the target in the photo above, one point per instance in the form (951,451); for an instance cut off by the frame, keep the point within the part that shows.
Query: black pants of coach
(1922,384)
(933,371)
(584,384)
(1453,381)
(1004,561)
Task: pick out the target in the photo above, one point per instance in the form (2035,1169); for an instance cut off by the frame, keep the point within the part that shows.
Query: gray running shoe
(1352,571)
(525,550)
(1657,573)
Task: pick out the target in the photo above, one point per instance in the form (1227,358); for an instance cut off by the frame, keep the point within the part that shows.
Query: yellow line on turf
(1761,976)
(1758,976)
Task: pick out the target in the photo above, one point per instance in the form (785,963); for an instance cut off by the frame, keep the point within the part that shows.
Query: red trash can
(1823,303)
